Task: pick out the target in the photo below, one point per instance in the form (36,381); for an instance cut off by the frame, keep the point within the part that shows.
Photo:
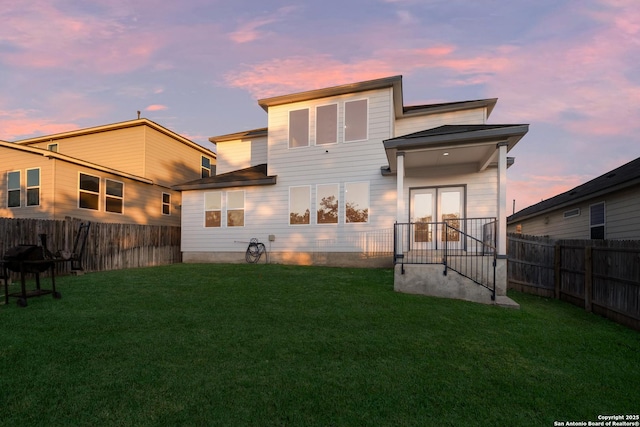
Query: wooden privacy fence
(603,276)
(108,247)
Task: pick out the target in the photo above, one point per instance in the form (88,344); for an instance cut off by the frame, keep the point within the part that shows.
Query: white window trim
(163,204)
(202,167)
(244,211)
(337,135)
(604,219)
(106,195)
(329,224)
(205,210)
(308,128)
(27,187)
(368,221)
(90,192)
(310,206)
(344,121)
(19,189)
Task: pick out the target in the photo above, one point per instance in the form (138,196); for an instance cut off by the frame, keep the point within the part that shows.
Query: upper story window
(33,187)
(13,189)
(114,199)
(206,167)
(166,204)
(299,128)
(355,120)
(53,147)
(327,124)
(89,192)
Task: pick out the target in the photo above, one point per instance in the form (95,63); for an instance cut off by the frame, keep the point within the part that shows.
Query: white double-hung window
(13,189)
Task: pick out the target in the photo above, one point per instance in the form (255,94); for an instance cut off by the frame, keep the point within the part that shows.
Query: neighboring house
(119,173)
(337,168)
(607,207)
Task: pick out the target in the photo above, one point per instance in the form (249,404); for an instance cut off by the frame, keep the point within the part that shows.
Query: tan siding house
(120,173)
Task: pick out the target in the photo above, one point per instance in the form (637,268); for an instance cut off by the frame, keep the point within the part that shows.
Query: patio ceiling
(453,145)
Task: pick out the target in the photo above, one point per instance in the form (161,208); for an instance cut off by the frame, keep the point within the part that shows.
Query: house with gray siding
(607,207)
(350,176)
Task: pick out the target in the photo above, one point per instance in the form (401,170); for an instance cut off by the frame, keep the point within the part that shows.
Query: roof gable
(116,126)
(62,157)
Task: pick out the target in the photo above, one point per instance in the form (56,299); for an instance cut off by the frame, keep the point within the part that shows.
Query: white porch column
(400,212)
(502,200)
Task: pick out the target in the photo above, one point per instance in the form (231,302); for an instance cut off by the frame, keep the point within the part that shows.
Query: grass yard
(273,345)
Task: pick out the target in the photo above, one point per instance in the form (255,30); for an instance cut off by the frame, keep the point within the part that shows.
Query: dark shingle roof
(254,175)
(453,133)
(627,174)
(450,129)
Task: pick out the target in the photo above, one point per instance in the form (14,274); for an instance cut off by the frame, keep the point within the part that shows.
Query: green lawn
(262,345)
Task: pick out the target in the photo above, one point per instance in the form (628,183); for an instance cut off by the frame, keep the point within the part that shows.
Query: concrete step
(506,302)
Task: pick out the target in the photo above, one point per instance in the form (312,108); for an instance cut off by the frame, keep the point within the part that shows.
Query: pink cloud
(535,188)
(282,76)
(43,36)
(16,129)
(250,30)
(156,107)
(582,83)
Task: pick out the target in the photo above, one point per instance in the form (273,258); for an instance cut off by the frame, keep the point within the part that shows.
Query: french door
(428,209)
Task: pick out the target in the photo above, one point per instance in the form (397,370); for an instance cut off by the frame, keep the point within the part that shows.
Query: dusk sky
(568,68)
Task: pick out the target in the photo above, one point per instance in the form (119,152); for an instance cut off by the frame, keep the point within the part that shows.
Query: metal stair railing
(465,245)
(477,259)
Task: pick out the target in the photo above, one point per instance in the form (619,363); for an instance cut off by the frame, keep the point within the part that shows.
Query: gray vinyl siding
(622,211)
(622,219)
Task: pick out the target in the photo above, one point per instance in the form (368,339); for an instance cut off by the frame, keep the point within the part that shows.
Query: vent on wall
(571,213)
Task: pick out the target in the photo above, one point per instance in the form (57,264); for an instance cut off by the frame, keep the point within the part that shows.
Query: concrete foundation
(428,279)
(331,259)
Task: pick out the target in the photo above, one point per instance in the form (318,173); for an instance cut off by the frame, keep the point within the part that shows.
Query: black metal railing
(465,245)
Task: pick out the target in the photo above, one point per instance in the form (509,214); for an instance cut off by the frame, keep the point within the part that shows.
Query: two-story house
(349,175)
(118,173)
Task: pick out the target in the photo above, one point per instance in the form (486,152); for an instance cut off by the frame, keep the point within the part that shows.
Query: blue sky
(569,68)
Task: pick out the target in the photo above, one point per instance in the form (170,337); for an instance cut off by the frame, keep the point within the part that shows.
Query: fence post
(588,277)
(557,263)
